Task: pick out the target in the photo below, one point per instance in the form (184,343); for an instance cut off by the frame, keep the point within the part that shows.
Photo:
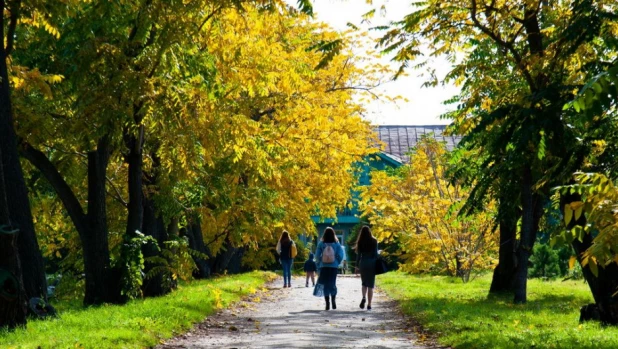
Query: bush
(545,262)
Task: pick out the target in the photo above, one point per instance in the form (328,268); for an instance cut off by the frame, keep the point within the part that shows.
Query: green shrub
(545,262)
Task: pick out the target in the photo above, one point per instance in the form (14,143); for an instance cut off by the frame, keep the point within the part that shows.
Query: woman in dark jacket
(329,255)
(284,248)
(366,254)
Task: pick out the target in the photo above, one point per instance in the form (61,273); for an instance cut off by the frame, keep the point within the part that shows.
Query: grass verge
(138,324)
(462,316)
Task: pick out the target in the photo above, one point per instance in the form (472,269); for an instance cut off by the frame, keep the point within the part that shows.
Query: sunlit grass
(138,324)
(463,316)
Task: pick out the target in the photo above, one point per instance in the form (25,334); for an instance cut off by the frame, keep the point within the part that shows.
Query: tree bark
(135,217)
(135,207)
(154,226)
(31,260)
(228,259)
(196,242)
(531,212)
(101,284)
(503,277)
(13,307)
(603,286)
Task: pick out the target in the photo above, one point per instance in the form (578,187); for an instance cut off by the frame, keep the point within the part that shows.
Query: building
(398,141)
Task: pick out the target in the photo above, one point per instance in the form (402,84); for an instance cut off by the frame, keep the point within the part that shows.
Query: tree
(281,134)
(180,110)
(519,63)
(418,206)
(19,211)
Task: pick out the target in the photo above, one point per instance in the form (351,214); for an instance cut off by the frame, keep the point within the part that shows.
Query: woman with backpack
(287,251)
(366,255)
(329,255)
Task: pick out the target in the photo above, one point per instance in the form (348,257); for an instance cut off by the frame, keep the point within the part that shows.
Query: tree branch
(64,192)
(118,195)
(498,40)
(361,88)
(209,17)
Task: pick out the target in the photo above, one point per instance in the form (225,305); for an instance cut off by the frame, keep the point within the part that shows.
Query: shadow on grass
(495,322)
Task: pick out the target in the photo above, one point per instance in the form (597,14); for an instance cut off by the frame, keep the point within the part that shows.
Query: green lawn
(138,324)
(462,316)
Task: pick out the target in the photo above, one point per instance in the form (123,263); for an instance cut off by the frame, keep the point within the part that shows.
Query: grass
(462,316)
(138,324)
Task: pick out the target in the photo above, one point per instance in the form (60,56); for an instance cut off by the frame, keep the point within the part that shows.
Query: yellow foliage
(282,142)
(418,207)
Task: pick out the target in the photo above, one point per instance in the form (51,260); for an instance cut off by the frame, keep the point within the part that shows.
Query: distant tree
(419,206)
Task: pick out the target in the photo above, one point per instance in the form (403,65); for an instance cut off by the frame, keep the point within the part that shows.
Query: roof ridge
(389,126)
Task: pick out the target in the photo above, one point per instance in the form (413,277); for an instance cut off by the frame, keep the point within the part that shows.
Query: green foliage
(545,262)
(70,288)
(599,94)
(138,324)
(133,265)
(463,316)
(305,6)
(174,262)
(329,50)
(598,197)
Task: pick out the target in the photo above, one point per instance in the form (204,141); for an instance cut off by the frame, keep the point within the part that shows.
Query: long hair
(365,241)
(329,235)
(285,237)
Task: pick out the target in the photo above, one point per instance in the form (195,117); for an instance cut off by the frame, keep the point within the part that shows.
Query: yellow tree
(281,142)
(418,207)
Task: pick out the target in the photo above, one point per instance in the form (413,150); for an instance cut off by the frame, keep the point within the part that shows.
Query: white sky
(425,104)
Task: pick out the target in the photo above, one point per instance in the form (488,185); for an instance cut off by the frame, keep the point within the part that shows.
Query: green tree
(518,63)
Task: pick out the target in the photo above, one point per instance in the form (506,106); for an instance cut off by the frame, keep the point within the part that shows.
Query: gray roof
(399,139)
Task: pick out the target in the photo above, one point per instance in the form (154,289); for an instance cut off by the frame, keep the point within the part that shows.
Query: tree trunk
(154,226)
(135,160)
(603,286)
(196,242)
(503,277)
(234,265)
(13,298)
(13,308)
(228,257)
(101,284)
(531,209)
(459,267)
(31,260)
(135,206)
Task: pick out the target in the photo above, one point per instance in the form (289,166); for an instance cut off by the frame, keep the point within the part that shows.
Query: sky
(425,104)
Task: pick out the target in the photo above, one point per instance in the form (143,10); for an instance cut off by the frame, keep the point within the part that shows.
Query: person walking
(366,255)
(310,268)
(286,248)
(329,255)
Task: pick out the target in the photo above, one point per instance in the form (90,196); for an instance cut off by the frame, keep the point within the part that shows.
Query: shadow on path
(294,318)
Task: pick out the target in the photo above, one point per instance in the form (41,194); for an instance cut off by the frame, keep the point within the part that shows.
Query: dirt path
(294,318)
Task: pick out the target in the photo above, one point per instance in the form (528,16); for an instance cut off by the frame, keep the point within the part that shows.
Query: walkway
(294,318)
